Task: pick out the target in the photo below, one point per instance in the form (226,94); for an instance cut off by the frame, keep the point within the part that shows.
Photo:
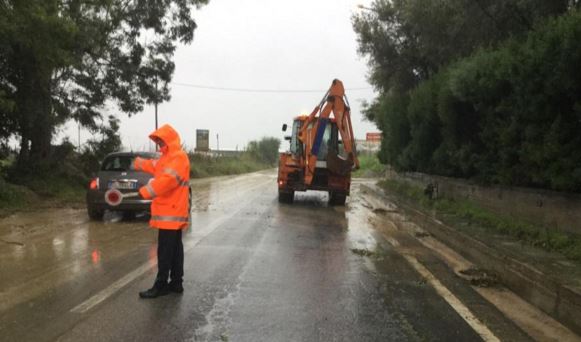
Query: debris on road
(421,234)
(363,252)
(12,242)
(479,277)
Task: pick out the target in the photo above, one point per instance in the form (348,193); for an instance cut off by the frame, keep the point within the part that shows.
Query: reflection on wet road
(255,270)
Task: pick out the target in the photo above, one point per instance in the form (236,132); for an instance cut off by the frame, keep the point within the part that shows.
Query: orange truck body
(322,152)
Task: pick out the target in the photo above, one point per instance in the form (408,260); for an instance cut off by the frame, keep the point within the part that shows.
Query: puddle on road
(56,245)
(44,249)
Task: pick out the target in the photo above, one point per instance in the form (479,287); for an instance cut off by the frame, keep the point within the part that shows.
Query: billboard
(375,137)
(202,140)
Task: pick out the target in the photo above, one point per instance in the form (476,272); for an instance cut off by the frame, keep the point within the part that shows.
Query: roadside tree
(63,60)
(265,150)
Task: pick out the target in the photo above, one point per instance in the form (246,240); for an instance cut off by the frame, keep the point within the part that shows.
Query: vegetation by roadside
(63,181)
(206,166)
(493,98)
(14,196)
(466,215)
(59,181)
(260,154)
(49,185)
(39,192)
(73,59)
(369,166)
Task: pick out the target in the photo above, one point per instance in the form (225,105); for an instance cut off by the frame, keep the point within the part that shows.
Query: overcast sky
(256,44)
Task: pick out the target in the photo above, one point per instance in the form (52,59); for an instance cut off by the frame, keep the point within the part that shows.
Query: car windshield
(117,163)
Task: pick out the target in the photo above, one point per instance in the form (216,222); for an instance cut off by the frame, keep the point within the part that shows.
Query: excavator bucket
(339,165)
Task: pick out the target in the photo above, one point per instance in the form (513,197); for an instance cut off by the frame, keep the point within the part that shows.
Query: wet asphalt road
(255,270)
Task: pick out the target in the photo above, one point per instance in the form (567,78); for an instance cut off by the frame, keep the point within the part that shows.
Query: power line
(247,90)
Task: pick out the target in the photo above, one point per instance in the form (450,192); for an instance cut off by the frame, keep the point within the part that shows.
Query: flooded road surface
(255,270)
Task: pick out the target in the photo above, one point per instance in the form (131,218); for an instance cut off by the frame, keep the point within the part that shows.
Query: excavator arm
(312,132)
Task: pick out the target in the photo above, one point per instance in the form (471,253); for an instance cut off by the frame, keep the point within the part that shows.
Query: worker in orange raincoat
(170,208)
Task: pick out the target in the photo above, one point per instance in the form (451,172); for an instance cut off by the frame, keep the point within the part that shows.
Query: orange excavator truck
(322,150)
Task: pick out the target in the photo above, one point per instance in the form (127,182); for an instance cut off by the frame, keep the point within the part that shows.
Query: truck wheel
(337,198)
(286,197)
(95,214)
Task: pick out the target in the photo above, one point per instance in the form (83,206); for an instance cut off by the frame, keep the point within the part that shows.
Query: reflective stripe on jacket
(169,189)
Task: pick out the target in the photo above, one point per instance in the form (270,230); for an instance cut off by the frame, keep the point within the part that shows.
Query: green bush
(424,127)
(390,114)
(508,115)
(264,150)
(13,196)
(61,178)
(369,165)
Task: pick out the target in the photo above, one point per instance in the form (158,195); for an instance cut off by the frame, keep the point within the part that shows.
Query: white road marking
(452,300)
(109,291)
(116,286)
(537,324)
(534,322)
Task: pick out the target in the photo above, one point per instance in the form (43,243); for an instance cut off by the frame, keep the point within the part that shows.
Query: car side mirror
(284,127)
(287,137)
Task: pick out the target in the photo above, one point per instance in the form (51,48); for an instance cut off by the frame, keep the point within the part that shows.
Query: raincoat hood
(169,136)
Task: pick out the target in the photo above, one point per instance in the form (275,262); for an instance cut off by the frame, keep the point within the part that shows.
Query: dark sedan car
(116,173)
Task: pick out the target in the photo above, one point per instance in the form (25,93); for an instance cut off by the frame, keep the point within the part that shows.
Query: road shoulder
(555,296)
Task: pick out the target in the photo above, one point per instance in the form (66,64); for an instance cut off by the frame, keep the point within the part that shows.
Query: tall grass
(207,166)
(12,195)
(369,166)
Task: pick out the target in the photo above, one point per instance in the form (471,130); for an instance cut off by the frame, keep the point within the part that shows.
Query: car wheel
(95,214)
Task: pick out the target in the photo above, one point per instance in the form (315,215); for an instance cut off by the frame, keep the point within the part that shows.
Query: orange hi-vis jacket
(169,189)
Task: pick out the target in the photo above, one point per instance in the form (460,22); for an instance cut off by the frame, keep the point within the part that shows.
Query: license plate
(122,185)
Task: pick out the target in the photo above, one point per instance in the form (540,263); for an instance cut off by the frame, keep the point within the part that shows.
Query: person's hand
(132,166)
(142,192)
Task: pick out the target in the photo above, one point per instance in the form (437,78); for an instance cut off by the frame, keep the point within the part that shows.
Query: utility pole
(79,136)
(156,147)
(217,143)
(155,102)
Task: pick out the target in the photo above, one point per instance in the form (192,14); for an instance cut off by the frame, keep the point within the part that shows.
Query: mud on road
(255,270)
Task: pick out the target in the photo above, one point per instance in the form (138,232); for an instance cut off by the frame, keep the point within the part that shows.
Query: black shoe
(155,291)
(176,287)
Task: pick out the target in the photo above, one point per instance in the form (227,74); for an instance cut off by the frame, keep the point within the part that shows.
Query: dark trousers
(170,256)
